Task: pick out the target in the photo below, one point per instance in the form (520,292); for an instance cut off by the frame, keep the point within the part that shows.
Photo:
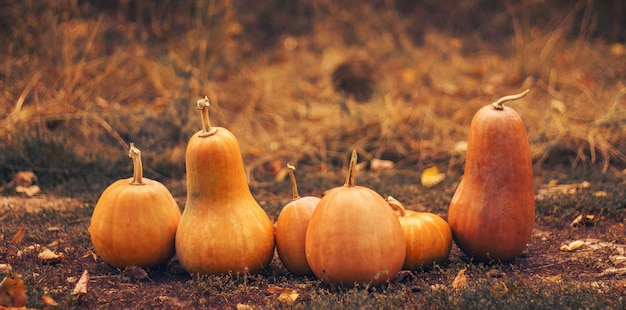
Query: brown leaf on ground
(49,301)
(24,178)
(13,291)
(135,273)
(19,235)
(431,177)
(460,281)
(49,257)
(288,297)
(81,286)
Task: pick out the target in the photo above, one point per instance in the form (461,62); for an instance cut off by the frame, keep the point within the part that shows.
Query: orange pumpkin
(354,237)
(291,227)
(492,211)
(428,237)
(135,221)
(223,229)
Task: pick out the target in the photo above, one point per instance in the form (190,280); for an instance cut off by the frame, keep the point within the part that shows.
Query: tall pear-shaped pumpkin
(492,211)
(223,229)
(354,237)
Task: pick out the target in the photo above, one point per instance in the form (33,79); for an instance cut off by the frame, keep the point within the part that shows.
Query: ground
(543,276)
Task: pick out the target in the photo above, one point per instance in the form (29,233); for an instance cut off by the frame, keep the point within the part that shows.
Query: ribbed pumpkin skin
(223,229)
(354,237)
(428,239)
(135,224)
(291,228)
(492,211)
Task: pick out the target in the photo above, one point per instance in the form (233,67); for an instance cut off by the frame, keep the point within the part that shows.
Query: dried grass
(137,83)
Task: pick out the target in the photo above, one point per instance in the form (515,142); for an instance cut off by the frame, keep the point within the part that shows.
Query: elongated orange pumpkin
(223,229)
(492,211)
(291,227)
(354,237)
(428,237)
(135,221)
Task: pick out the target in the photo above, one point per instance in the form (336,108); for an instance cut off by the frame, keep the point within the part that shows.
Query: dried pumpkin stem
(396,205)
(351,170)
(498,104)
(294,185)
(203,105)
(135,154)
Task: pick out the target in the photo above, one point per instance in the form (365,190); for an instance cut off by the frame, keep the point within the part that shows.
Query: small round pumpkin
(135,221)
(428,237)
(354,237)
(492,211)
(291,227)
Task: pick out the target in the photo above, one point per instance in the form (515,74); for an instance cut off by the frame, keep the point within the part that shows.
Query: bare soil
(571,278)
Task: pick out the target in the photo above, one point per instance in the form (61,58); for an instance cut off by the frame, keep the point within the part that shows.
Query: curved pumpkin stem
(351,170)
(203,105)
(294,185)
(396,205)
(498,104)
(135,154)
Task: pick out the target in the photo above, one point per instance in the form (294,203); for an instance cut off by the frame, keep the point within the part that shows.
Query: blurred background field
(303,82)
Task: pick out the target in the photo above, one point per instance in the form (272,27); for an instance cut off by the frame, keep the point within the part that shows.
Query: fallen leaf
(558,105)
(459,148)
(378,165)
(496,291)
(613,271)
(274,289)
(288,297)
(460,281)
(47,256)
(582,219)
(618,49)
(600,194)
(5,268)
(555,278)
(569,189)
(81,286)
(19,235)
(244,307)
(91,254)
(13,291)
(135,273)
(572,246)
(49,301)
(24,178)
(431,177)
(28,190)
(617,259)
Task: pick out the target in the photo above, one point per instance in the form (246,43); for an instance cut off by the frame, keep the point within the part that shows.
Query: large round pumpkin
(354,237)
(492,211)
(135,221)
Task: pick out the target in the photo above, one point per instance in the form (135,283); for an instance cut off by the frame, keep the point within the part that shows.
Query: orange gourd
(354,237)
(492,211)
(135,221)
(291,227)
(428,237)
(223,229)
